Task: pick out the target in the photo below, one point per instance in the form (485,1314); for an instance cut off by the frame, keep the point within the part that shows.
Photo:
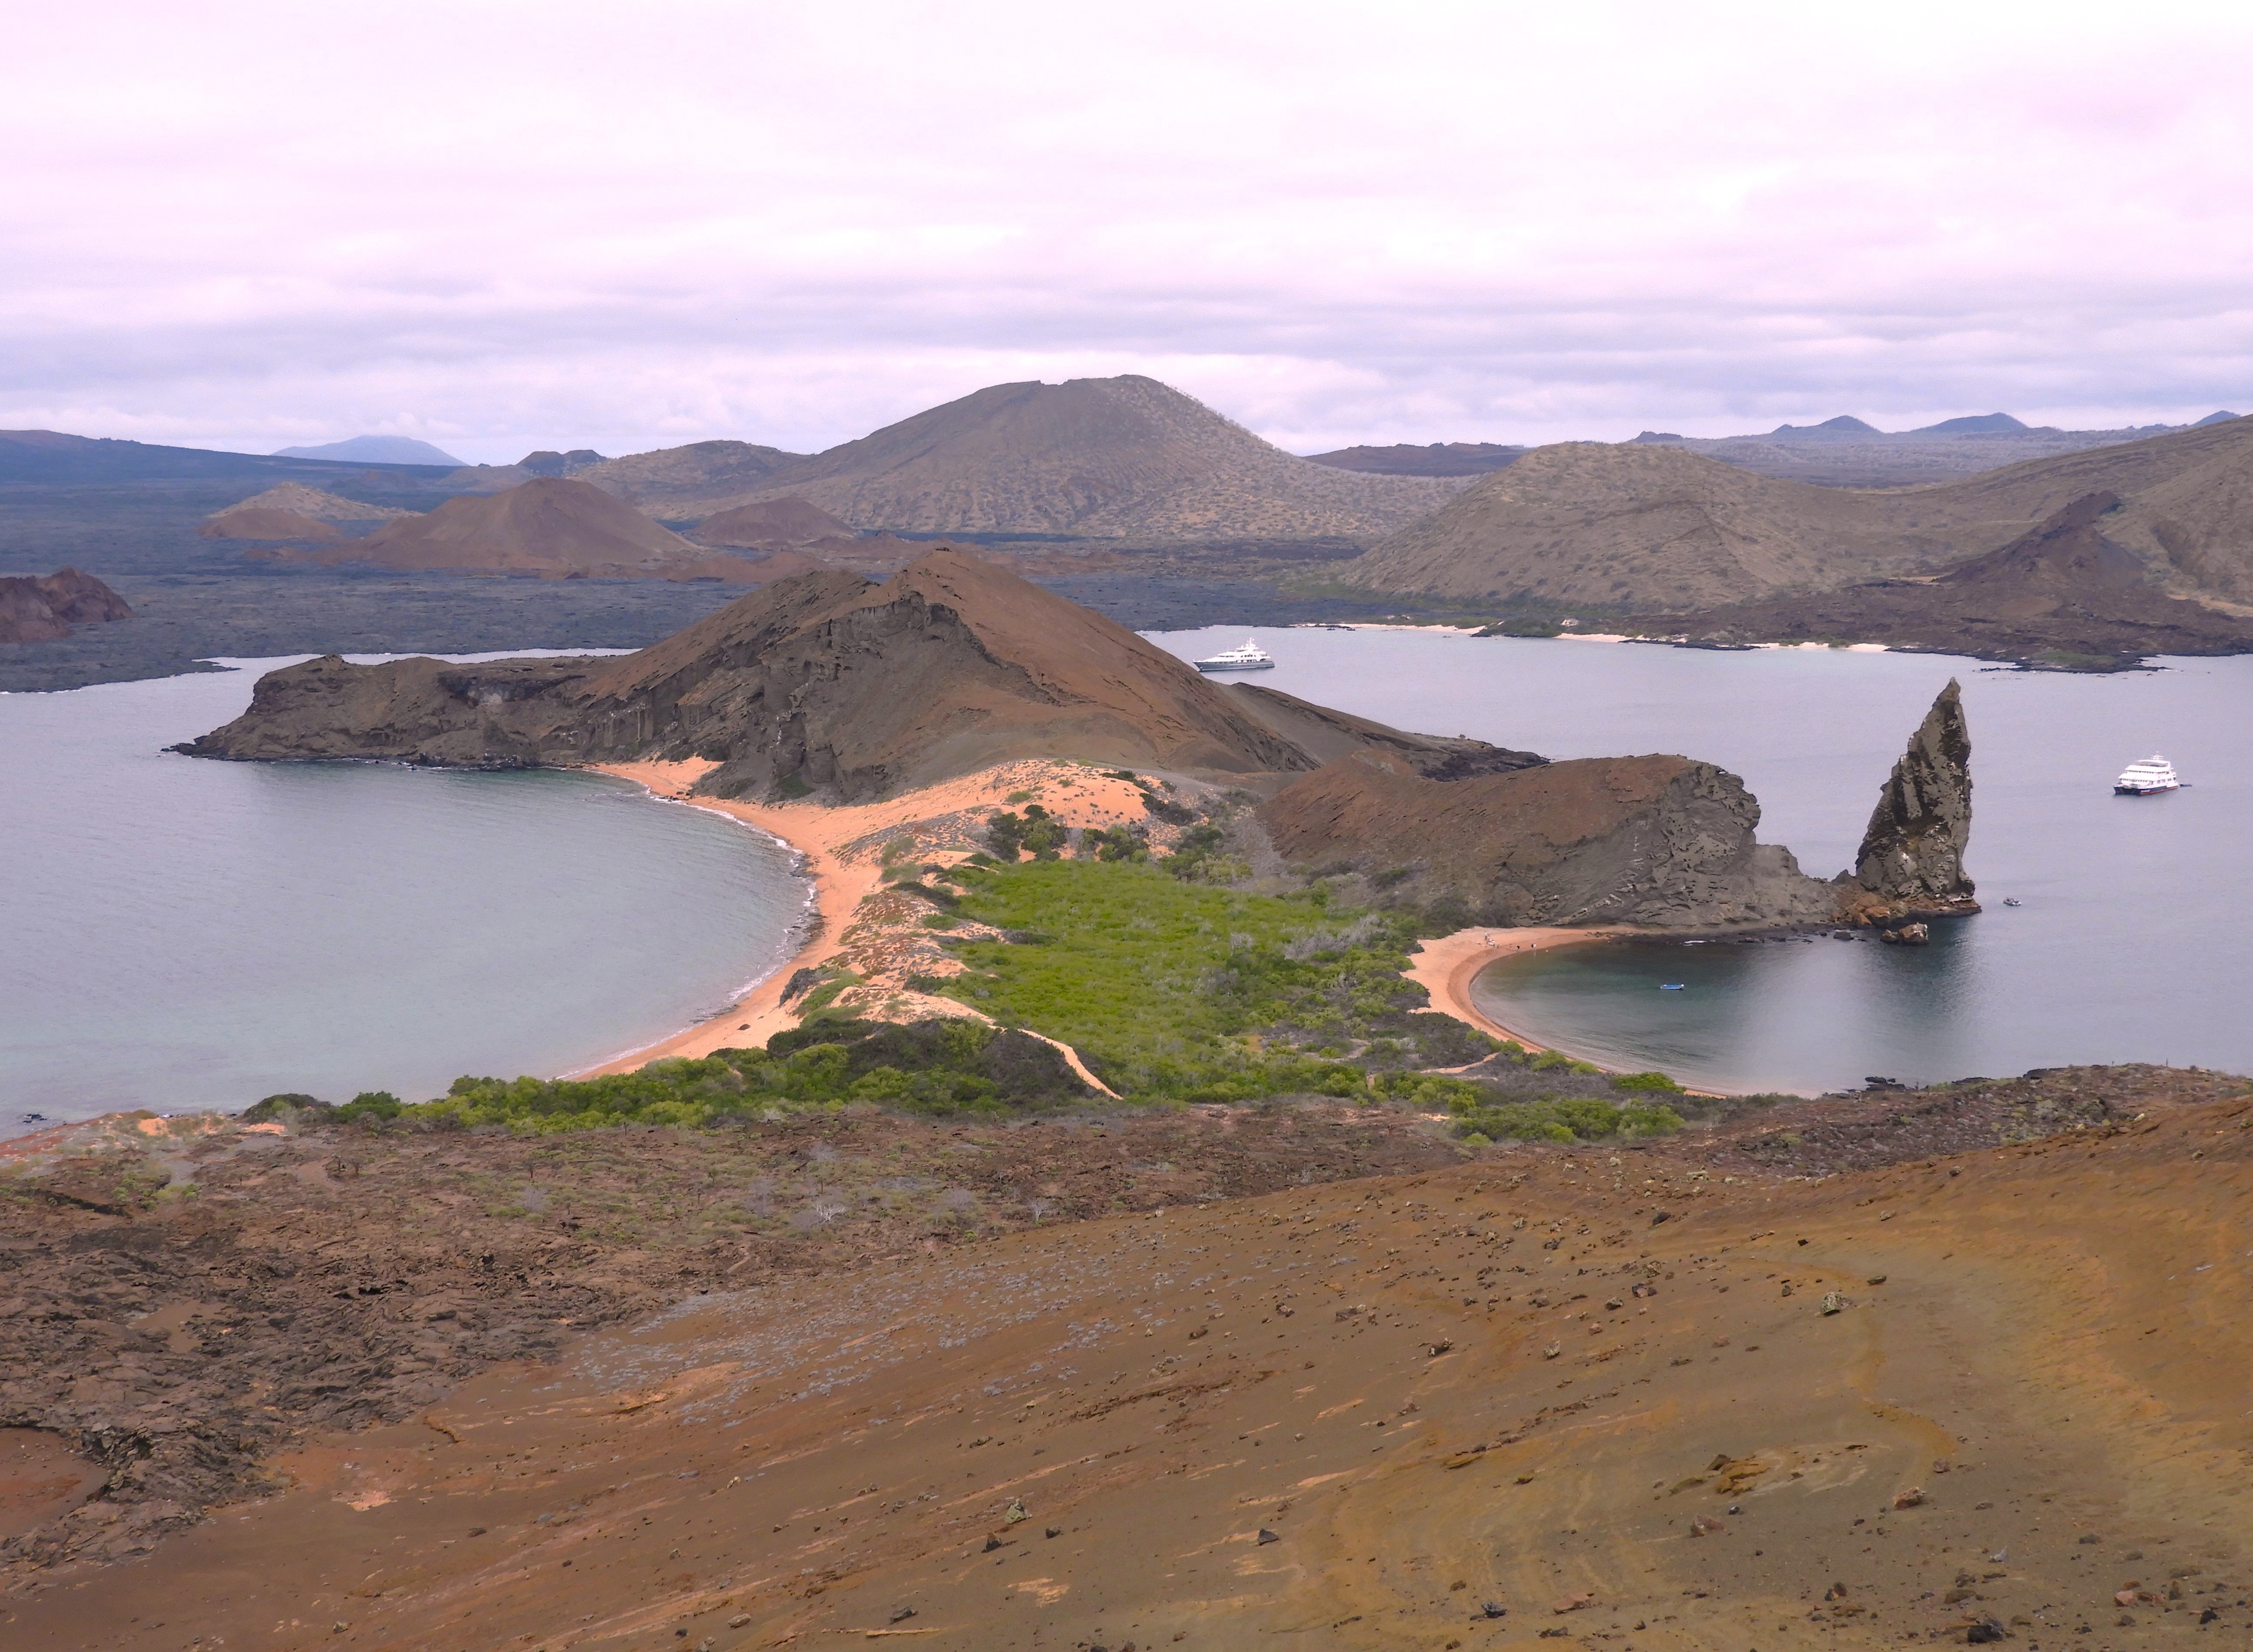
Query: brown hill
(1437,458)
(2066,592)
(297,499)
(1091,458)
(821,681)
(1641,527)
(772,525)
(246,523)
(551,527)
(42,606)
(674,483)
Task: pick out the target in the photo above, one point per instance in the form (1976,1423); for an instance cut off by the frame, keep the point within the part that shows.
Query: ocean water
(181,933)
(2132,940)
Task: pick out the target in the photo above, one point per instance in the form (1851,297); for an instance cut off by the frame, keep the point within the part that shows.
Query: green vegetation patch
(1173,989)
(940,1066)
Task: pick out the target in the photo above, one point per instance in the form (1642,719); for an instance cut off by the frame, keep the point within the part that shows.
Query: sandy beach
(1447,966)
(843,851)
(843,846)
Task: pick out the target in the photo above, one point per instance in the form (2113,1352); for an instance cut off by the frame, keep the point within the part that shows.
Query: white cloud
(498,227)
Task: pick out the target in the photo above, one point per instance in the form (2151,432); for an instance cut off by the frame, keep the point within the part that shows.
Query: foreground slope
(1644,528)
(1091,458)
(1681,1397)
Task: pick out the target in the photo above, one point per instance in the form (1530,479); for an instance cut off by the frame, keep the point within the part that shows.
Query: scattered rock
(1267,1536)
(1574,1602)
(1910,1497)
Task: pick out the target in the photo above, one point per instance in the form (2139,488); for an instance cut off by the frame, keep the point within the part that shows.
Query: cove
(183,933)
(2131,943)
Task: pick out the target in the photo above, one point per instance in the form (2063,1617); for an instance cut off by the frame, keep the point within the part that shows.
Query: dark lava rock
(1912,855)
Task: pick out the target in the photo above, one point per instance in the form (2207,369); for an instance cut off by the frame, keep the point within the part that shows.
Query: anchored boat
(1250,657)
(2145,775)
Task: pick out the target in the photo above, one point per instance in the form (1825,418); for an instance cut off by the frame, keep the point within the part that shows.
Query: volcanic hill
(555,527)
(772,525)
(292,510)
(2064,592)
(42,606)
(823,680)
(676,483)
(1092,458)
(1641,528)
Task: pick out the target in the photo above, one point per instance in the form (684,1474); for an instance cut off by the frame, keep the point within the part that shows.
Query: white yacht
(2145,776)
(1251,657)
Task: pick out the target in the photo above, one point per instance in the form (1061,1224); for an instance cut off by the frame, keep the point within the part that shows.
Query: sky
(501,226)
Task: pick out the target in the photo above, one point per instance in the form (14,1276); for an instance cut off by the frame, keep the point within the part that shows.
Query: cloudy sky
(498,227)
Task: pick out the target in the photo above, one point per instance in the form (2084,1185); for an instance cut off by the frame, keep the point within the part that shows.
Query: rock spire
(1912,855)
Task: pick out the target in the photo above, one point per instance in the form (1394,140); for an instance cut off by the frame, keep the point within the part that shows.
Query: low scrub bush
(940,1066)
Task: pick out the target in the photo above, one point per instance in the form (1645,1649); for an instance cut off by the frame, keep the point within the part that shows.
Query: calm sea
(182,933)
(2131,941)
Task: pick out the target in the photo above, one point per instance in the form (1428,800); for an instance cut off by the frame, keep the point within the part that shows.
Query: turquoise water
(2131,941)
(183,933)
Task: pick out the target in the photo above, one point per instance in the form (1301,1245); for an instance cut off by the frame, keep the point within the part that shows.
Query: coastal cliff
(1665,841)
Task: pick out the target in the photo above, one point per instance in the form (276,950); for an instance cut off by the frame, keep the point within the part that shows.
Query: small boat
(1250,657)
(1672,986)
(2010,900)
(2146,776)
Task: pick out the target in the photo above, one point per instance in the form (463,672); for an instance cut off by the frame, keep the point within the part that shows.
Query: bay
(2131,943)
(183,933)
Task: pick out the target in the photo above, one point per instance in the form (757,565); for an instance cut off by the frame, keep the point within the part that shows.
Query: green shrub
(1561,1118)
(371,1105)
(1647,1081)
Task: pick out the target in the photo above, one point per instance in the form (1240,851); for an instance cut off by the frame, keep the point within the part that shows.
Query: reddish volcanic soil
(1612,1395)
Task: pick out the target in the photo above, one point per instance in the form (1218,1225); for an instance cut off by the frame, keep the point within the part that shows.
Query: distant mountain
(680,484)
(2216,418)
(374,449)
(547,462)
(551,527)
(2064,590)
(1642,529)
(1973,424)
(1439,459)
(1844,425)
(1098,458)
(52,455)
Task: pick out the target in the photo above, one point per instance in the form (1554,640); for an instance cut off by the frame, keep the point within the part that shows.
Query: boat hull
(1211,665)
(2144,791)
